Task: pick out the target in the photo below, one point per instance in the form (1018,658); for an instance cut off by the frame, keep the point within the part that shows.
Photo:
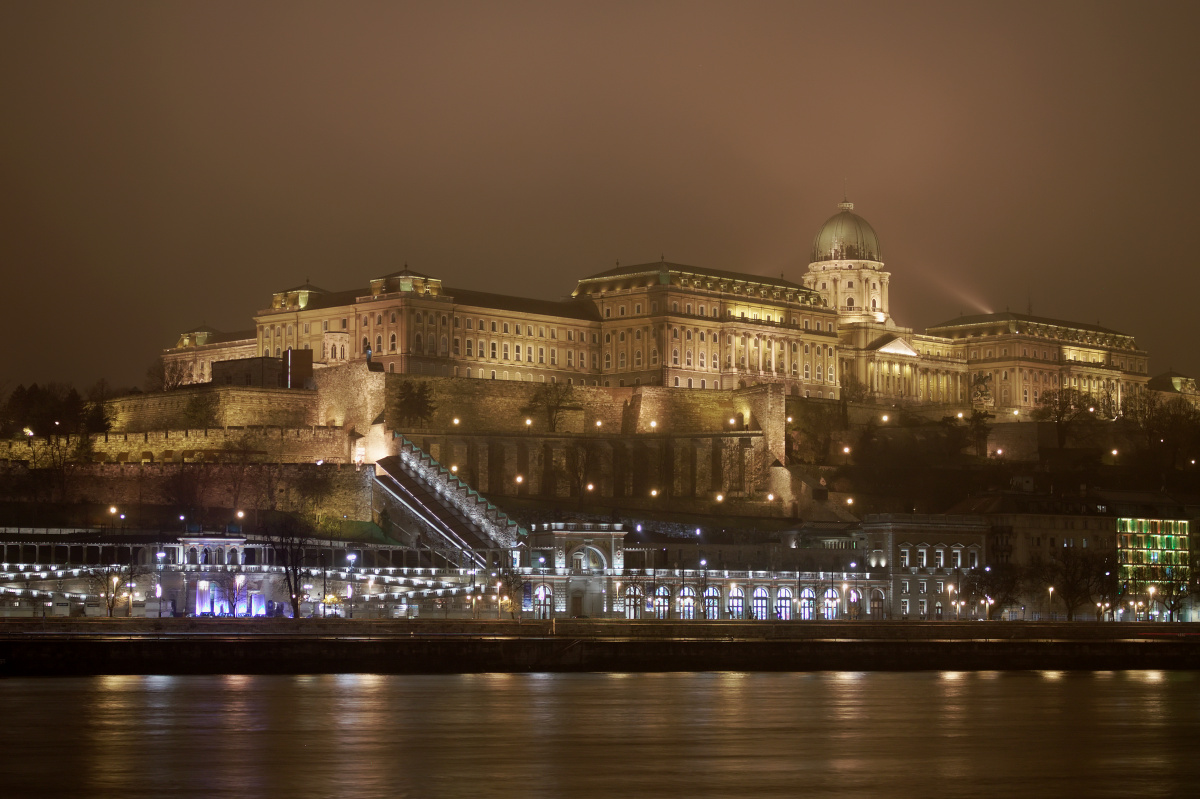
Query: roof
(846,236)
(573,308)
(1009,316)
(406,272)
(659,267)
(305,286)
(332,299)
(1171,381)
(217,337)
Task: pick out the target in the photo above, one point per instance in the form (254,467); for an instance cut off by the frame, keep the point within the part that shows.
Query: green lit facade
(1153,552)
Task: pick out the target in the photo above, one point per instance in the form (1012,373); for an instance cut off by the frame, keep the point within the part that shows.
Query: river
(925,734)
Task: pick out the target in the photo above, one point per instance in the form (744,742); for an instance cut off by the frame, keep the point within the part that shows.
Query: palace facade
(827,332)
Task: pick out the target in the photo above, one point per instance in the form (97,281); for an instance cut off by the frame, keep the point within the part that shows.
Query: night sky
(165,165)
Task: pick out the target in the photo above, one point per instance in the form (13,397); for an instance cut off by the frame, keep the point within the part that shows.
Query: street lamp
(704,587)
(1051,604)
(1150,605)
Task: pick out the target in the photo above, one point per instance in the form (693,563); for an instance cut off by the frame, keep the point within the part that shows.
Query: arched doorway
(808,605)
(543,602)
(687,603)
(831,603)
(633,602)
(737,604)
(662,602)
(783,604)
(760,603)
(712,603)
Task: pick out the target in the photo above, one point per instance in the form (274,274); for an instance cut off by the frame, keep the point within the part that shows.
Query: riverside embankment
(268,646)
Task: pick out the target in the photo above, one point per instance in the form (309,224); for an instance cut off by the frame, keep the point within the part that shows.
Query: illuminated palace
(695,328)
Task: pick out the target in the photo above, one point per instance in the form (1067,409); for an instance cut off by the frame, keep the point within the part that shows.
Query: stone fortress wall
(234,406)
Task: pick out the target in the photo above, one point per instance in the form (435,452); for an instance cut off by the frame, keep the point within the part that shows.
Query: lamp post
(350,558)
(857,599)
(542,564)
(158,556)
(324,585)
(950,591)
(1150,604)
(1050,605)
(704,587)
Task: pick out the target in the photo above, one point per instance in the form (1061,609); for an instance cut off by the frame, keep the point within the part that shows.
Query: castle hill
(679,466)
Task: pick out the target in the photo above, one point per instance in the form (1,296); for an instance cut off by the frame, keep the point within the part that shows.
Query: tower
(847,268)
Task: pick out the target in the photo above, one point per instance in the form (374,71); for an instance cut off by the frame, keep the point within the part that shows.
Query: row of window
(939,558)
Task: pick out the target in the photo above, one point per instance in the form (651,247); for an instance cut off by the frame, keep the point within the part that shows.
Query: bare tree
(582,463)
(512,590)
(290,538)
(233,585)
(1067,408)
(165,375)
(114,583)
(554,398)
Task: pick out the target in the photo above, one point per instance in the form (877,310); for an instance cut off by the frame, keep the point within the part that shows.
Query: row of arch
(688,603)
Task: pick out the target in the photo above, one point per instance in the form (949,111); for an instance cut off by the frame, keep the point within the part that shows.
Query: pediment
(893,345)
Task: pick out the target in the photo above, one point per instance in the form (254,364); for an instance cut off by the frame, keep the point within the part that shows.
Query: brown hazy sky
(168,164)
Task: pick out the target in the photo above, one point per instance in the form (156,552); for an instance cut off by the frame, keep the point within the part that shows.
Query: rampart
(287,445)
(232,406)
(340,490)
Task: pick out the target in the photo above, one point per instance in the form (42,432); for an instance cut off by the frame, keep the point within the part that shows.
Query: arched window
(874,303)
(687,603)
(379,343)
(443,349)
(654,356)
(819,377)
(675,357)
(701,359)
(783,604)
(392,343)
(621,337)
(343,356)
(366,345)
(807,371)
(688,358)
(688,335)
(760,604)
(543,602)
(378,320)
(737,604)
(621,361)
(637,358)
(662,602)
(417,343)
(393,317)
(849,302)
(608,360)
(831,603)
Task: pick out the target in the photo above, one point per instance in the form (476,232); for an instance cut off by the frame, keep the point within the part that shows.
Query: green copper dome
(846,237)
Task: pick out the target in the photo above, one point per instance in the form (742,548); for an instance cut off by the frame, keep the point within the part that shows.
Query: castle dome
(846,236)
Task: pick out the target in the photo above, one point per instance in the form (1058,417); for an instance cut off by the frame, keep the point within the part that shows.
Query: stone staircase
(446,506)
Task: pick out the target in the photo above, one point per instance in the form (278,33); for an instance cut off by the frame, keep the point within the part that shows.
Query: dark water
(718,734)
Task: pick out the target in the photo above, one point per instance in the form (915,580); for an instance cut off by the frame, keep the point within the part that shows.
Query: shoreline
(71,647)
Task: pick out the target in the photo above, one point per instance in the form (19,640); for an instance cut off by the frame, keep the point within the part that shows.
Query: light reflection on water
(498,735)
